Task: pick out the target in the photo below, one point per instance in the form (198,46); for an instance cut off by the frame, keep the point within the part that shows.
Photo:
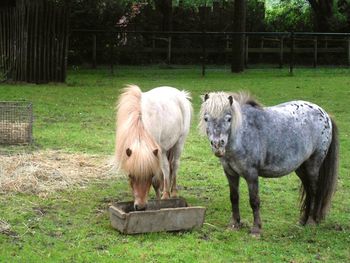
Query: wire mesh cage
(16,122)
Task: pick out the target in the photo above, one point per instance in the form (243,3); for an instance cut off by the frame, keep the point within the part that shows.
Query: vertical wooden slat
(6,40)
(26,43)
(54,46)
(30,52)
(35,42)
(44,42)
(61,43)
(58,44)
(66,40)
(39,77)
(49,42)
(2,47)
(1,41)
(17,16)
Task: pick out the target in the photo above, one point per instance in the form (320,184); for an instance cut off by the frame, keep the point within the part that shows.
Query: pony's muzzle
(219,152)
(140,207)
(218,147)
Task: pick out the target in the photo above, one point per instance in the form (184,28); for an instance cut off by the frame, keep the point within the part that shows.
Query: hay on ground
(45,172)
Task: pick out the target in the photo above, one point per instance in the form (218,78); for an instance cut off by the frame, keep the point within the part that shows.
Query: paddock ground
(76,119)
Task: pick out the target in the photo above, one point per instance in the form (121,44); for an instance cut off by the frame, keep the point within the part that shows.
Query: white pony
(151,131)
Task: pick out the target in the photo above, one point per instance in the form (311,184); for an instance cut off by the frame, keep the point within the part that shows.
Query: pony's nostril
(211,142)
(222,142)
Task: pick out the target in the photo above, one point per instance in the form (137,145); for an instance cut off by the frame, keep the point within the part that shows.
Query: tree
(239,25)
(324,14)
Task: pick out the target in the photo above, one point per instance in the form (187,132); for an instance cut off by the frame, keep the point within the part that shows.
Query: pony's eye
(229,119)
(205,119)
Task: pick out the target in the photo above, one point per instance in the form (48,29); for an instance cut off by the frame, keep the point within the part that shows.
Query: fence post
(94,51)
(153,47)
(203,52)
(261,49)
(315,52)
(281,52)
(246,50)
(232,51)
(291,67)
(169,50)
(348,49)
(111,52)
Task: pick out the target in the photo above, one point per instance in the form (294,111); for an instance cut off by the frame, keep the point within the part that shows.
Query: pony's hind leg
(308,174)
(306,195)
(166,176)
(174,161)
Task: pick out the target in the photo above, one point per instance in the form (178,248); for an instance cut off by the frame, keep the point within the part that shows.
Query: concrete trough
(161,215)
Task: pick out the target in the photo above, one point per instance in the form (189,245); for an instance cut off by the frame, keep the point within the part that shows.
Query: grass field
(73,225)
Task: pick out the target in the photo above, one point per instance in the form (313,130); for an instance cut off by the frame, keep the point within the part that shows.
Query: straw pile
(44,172)
(14,132)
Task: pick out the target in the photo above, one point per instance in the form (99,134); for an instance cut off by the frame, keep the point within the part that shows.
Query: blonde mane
(131,134)
(217,103)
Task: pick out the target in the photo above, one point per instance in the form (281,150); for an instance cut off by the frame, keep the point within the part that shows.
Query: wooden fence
(34,42)
(282,45)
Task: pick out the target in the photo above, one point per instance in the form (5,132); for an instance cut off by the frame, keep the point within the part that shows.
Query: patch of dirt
(5,228)
(44,172)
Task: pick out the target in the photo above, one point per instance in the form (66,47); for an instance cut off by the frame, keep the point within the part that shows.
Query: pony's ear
(204,97)
(230,99)
(128,152)
(155,152)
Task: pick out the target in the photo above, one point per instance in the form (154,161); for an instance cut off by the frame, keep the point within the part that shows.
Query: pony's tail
(327,178)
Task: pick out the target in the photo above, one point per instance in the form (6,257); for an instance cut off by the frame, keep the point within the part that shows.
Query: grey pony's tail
(327,179)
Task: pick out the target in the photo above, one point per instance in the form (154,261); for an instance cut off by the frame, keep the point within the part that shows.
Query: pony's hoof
(255,232)
(174,194)
(234,225)
(310,221)
(165,195)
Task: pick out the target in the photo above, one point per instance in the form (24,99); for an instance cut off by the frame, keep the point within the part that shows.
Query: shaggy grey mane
(216,104)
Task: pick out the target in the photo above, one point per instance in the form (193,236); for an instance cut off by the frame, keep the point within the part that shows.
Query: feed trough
(161,215)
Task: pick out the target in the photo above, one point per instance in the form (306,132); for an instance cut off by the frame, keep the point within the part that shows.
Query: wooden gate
(34,41)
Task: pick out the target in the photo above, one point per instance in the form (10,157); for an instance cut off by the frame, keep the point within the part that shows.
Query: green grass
(73,225)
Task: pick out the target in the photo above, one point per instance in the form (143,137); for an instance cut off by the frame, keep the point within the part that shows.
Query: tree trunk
(166,9)
(239,25)
(323,11)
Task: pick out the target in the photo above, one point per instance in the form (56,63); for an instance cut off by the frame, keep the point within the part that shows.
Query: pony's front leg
(233,181)
(157,180)
(166,176)
(254,200)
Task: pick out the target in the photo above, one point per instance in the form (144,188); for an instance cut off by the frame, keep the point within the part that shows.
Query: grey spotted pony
(253,141)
